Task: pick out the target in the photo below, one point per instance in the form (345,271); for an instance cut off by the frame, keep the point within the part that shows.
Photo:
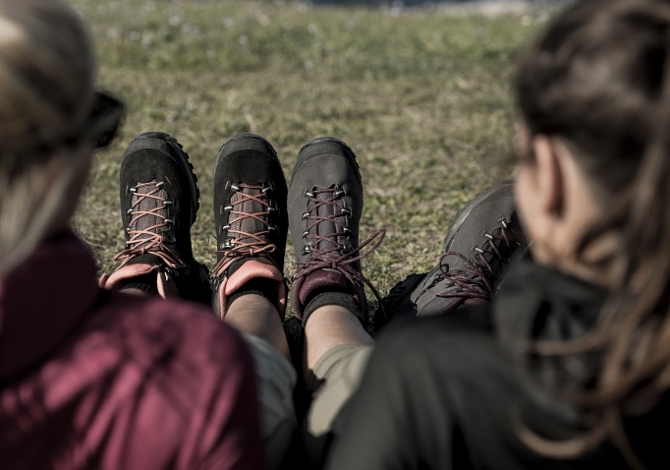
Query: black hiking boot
(478,247)
(159,203)
(251,222)
(325,203)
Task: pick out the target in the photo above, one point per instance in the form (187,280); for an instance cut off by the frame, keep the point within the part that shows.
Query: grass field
(424,99)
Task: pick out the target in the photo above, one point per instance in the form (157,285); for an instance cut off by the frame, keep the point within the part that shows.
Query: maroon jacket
(95,379)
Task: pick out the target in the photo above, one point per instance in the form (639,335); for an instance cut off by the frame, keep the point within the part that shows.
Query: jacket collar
(43,300)
(537,302)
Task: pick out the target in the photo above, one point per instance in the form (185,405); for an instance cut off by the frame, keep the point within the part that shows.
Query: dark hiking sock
(322,299)
(264,287)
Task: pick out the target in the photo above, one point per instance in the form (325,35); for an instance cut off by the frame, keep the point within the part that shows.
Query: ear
(550,176)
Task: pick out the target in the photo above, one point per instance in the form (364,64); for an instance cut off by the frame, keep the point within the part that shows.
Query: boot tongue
(321,280)
(142,203)
(250,206)
(328,228)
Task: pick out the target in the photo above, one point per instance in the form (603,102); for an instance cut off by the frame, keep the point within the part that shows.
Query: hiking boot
(478,247)
(251,220)
(325,202)
(159,203)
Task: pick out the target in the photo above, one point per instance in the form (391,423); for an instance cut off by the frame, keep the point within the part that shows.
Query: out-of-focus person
(91,378)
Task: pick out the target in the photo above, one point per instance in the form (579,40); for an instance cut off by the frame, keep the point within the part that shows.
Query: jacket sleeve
(229,437)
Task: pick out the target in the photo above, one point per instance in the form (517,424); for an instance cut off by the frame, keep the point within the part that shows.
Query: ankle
(332,327)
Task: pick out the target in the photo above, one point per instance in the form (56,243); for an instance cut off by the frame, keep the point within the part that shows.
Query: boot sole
(185,162)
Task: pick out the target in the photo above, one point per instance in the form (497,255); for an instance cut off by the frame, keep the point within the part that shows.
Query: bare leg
(254,314)
(331,326)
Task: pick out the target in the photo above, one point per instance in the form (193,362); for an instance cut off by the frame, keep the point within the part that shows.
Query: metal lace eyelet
(305,215)
(272,228)
(305,250)
(160,184)
(168,203)
(226,227)
(478,250)
(347,230)
(490,237)
(129,211)
(234,187)
(503,222)
(309,194)
(128,230)
(133,190)
(339,193)
(228,208)
(345,211)
(305,234)
(272,209)
(266,189)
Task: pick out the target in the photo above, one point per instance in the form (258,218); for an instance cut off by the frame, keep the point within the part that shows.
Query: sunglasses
(105,119)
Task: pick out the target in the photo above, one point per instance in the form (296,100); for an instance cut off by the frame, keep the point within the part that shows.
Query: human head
(594,105)
(46,97)
(594,187)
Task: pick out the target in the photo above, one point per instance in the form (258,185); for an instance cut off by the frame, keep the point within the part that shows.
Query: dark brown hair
(600,79)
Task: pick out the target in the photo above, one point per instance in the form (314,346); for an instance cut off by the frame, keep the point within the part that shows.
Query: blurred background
(419,89)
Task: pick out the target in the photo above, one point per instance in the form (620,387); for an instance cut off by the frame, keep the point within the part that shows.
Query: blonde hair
(46,97)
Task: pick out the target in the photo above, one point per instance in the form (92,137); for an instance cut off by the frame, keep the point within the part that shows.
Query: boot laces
(323,249)
(145,232)
(478,284)
(248,226)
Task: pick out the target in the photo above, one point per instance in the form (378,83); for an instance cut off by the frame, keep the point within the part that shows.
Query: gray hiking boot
(478,247)
(325,201)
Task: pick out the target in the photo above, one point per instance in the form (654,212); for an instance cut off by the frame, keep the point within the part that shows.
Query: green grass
(424,99)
